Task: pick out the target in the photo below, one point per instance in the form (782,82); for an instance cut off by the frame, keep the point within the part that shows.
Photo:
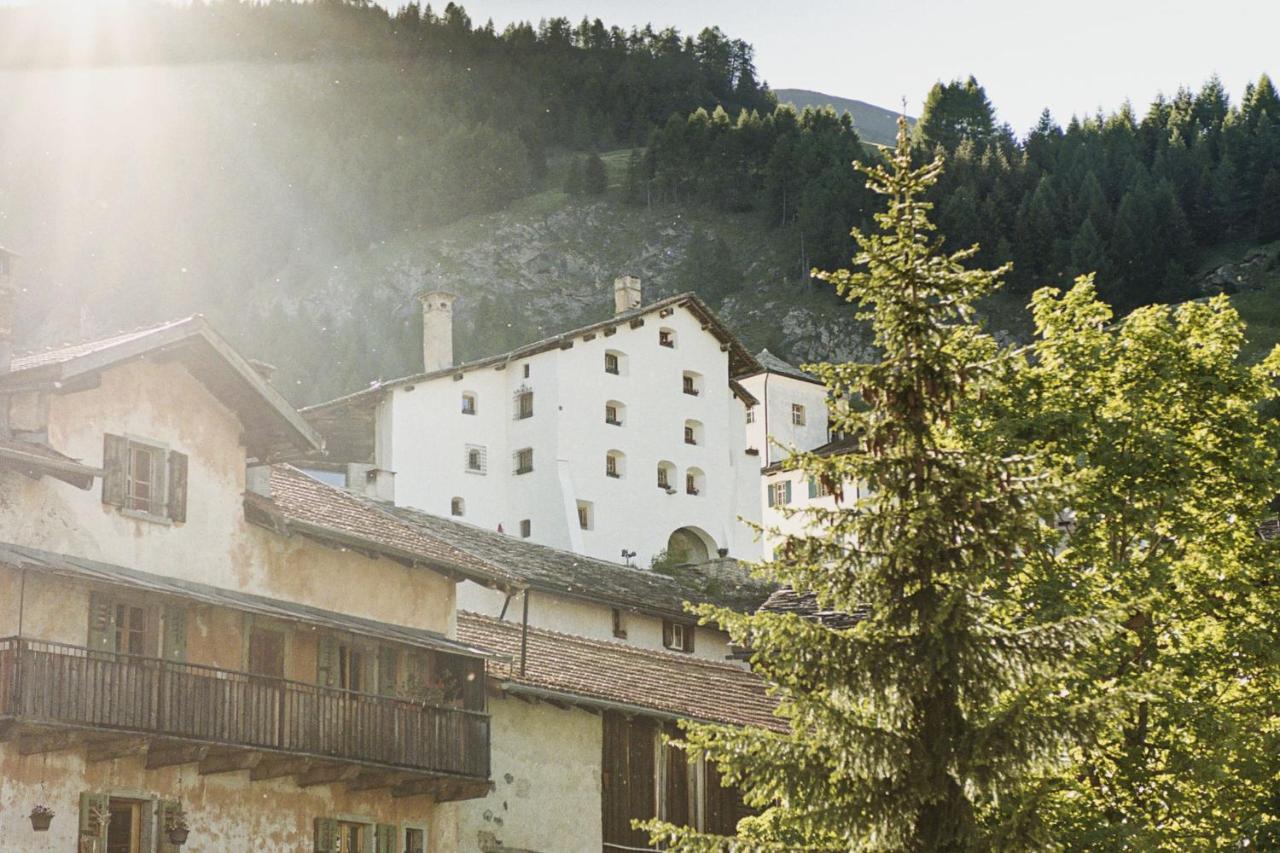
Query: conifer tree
(922,727)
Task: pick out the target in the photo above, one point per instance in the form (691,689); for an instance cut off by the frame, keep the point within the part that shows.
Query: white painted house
(792,410)
(619,440)
(786,493)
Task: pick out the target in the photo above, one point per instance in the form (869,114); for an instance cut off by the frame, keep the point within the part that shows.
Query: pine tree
(921,727)
(1267,227)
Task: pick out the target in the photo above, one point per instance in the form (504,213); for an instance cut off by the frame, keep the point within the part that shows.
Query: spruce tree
(923,726)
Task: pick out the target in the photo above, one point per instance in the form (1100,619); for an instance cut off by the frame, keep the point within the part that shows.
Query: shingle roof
(32,559)
(597,672)
(303,503)
(66,352)
(721,582)
(770,363)
(787,600)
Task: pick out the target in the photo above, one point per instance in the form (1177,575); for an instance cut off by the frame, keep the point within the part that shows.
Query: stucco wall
(226,811)
(772,418)
(798,522)
(546,771)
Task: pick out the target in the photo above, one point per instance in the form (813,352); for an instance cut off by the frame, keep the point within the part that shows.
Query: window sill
(139,515)
(474,471)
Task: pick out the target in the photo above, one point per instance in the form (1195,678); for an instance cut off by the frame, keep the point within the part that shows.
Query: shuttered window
(123,626)
(95,815)
(780,493)
(677,636)
(144,478)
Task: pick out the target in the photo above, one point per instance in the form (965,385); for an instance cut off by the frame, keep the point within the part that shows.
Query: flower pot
(178,836)
(40,822)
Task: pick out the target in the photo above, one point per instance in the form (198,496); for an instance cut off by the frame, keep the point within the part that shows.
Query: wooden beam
(168,755)
(229,761)
(34,744)
(464,791)
(418,788)
(272,767)
(326,775)
(109,749)
(369,781)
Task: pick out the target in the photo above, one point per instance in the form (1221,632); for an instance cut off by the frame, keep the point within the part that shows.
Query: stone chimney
(626,293)
(437,329)
(8,307)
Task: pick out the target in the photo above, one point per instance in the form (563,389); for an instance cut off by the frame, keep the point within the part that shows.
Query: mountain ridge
(875,124)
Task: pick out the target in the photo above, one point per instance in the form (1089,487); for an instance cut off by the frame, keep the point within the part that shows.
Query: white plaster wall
(798,522)
(776,393)
(546,772)
(571,439)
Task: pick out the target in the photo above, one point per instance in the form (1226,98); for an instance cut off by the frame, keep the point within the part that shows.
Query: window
(415,840)
(128,627)
(526,371)
(780,493)
(751,415)
(619,624)
(614,462)
(797,414)
(666,473)
(468,403)
(614,413)
(526,529)
(818,487)
(475,460)
(691,383)
(524,460)
(586,520)
(693,432)
(131,630)
(346,836)
(694,480)
(677,636)
(524,405)
(144,478)
(667,338)
(342,664)
(457,506)
(613,363)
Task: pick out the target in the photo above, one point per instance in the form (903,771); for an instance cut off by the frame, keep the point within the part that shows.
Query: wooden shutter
(115,469)
(668,633)
(92,825)
(177,487)
(173,638)
(813,487)
(326,835)
(166,811)
(772,493)
(327,661)
(384,838)
(102,623)
(688,638)
(786,491)
(388,658)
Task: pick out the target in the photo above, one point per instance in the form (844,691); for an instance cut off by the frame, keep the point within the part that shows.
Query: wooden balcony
(55,696)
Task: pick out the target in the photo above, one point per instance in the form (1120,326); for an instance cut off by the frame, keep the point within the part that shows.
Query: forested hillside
(297,171)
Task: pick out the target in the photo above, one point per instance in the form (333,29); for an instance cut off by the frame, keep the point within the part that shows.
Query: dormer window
(144,478)
(468,403)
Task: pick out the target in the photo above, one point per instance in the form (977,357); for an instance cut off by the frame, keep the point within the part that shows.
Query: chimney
(626,293)
(372,482)
(8,307)
(437,329)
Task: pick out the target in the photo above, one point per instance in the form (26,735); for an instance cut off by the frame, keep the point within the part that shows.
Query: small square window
(526,528)
(611,363)
(468,404)
(751,416)
(476,462)
(666,338)
(797,414)
(677,636)
(458,507)
(524,405)
(526,371)
(524,460)
(619,624)
(585,520)
(611,416)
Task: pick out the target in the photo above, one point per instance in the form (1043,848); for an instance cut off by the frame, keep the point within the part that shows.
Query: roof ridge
(119,333)
(592,642)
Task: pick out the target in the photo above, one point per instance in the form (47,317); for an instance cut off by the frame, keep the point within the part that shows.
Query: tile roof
(67,352)
(770,363)
(604,674)
(313,508)
(805,604)
(721,582)
(32,559)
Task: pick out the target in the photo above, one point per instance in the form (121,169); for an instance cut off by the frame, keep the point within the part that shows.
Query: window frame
(523,461)
(472,398)
(457,507)
(526,528)
(798,416)
(159,452)
(483,452)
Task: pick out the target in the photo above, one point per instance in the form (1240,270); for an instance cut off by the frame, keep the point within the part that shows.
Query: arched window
(667,338)
(666,476)
(693,432)
(457,506)
(694,481)
(469,406)
(615,362)
(615,464)
(615,413)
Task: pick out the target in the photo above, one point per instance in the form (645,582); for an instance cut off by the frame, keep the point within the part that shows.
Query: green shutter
(115,469)
(326,835)
(177,486)
(174,639)
(166,811)
(384,838)
(388,658)
(102,623)
(786,491)
(813,487)
(95,811)
(771,492)
(327,661)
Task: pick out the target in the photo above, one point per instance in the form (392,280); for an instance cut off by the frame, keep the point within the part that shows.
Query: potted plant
(41,816)
(177,827)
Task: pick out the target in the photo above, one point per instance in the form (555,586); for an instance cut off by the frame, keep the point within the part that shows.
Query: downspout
(768,445)
(524,633)
(506,602)
(22,600)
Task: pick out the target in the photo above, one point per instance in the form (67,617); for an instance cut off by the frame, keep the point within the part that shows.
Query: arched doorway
(689,545)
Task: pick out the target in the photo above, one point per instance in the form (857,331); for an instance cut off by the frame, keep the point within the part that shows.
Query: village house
(185,639)
(622,440)
(792,410)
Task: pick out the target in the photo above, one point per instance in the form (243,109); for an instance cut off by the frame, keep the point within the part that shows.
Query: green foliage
(956,112)
(594,179)
(929,724)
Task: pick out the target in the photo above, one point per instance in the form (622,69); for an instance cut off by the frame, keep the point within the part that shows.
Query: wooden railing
(56,683)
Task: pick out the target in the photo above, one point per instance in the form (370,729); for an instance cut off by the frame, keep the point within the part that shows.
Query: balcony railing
(42,682)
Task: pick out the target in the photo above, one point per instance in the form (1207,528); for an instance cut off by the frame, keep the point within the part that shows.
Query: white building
(786,493)
(792,410)
(619,440)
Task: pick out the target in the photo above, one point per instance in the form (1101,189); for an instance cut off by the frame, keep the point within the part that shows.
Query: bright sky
(1072,57)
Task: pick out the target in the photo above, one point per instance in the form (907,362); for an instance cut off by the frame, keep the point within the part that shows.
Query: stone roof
(720,582)
(805,604)
(613,675)
(770,363)
(835,447)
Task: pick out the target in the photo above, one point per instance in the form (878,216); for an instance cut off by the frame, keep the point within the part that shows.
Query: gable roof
(540,567)
(272,425)
(741,362)
(616,676)
(770,363)
(32,559)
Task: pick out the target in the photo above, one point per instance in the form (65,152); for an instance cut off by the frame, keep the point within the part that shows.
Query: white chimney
(626,293)
(437,329)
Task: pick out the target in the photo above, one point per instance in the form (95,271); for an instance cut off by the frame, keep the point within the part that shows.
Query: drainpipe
(768,445)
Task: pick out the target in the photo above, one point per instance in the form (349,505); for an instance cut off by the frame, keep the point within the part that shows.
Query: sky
(1072,57)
